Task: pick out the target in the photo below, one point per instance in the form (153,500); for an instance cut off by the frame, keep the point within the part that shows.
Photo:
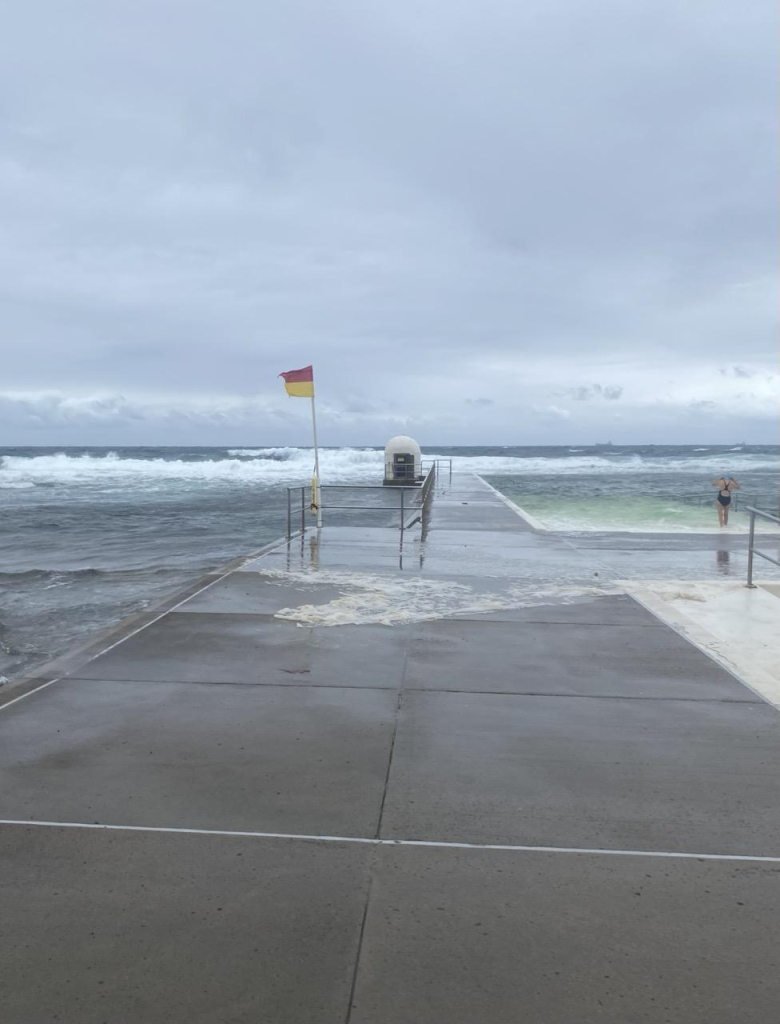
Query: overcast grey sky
(507,221)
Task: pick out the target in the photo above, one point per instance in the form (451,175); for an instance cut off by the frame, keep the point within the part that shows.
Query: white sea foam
(282,466)
(394,600)
(262,466)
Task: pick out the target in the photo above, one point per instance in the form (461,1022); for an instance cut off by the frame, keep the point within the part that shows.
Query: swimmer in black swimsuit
(725,485)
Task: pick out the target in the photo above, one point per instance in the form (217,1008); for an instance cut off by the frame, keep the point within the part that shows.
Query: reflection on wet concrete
(520,556)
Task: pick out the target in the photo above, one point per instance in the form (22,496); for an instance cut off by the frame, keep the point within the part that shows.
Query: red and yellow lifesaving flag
(299,383)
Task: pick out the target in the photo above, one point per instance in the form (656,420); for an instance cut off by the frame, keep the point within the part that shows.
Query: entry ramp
(531,801)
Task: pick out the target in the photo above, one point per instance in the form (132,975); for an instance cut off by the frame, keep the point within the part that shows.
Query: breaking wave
(287,466)
(280,454)
(253,466)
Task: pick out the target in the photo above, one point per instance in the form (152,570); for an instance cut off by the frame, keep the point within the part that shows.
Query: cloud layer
(482,222)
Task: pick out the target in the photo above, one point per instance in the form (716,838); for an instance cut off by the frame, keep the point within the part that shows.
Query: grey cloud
(194,200)
(586,392)
(480,401)
(52,418)
(737,371)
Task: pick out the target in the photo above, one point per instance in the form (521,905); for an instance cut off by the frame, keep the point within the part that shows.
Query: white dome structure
(403,462)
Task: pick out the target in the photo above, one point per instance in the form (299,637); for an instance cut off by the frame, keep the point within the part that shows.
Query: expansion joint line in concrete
(373,841)
(361,934)
(389,765)
(392,744)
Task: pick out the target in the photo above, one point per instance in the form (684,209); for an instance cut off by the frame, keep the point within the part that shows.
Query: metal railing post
(421,499)
(751,541)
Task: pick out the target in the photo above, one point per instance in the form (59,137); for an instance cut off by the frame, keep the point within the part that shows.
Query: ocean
(90,535)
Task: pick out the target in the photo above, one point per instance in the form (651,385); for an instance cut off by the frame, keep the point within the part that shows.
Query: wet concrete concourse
(464,779)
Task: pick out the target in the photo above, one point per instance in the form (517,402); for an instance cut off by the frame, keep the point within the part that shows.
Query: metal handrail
(436,462)
(752,549)
(425,492)
(364,487)
(738,501)
(428,484)
(426,496)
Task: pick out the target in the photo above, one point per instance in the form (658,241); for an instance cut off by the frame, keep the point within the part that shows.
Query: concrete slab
(269,759)
(477,516)
(255,650)
(164,929)
(657,541)
(675,564)
(357,556)
(489,541)
(574,658)
(480,496)
(456,937)
(551,562)
(701,777)
(256,593)
(569,609)
(737,626)
(390,593)
(370,535)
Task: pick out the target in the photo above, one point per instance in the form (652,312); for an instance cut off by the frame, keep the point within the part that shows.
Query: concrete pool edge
(689,608)
(704,531)
(535,524)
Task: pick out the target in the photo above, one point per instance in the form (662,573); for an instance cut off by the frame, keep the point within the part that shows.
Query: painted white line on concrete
(532,522)
(117,642)
(365,841)
(28,693)
(224,576)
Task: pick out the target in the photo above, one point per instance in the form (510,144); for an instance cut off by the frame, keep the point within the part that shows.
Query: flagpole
(318,496)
